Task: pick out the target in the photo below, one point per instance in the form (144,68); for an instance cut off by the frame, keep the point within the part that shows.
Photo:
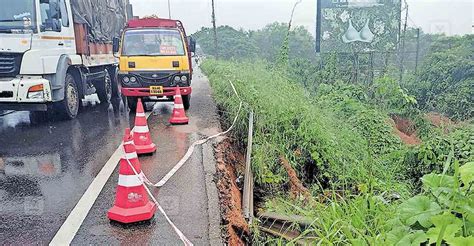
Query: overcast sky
(433,16)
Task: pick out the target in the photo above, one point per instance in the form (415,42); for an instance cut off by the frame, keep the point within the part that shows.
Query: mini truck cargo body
(55,52)
(155,59)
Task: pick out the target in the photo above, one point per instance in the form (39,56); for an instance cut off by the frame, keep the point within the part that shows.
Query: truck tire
(69,106)
(116,88)
(132,103)
(186,101)
(104,89)
(37,117)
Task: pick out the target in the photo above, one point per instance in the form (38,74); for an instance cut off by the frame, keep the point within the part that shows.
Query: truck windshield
(153,42)
(17,15)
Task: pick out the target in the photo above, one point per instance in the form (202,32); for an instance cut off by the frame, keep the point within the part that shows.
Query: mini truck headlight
(126,79)
(176,78)
(184,78)
(133,79)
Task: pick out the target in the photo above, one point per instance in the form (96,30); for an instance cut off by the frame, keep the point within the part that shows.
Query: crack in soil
(229,161)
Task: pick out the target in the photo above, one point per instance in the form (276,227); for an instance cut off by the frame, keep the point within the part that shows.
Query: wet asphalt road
(45,168)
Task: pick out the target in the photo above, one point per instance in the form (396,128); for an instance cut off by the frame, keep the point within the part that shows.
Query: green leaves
(467,173)
(413,239)
(436,181)
(446,227)
(419,209)
(461,241)
(446,213)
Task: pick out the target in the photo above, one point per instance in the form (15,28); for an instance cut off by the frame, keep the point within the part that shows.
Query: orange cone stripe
(140,115)
(179,106)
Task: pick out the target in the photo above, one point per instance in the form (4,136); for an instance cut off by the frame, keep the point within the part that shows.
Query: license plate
(156,90)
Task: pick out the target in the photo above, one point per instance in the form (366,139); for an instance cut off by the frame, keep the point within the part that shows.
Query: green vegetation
(446,80)
(367,187)
(307,132)
(264,43)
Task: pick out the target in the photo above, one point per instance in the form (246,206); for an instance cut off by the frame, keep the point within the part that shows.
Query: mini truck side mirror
(116,45)
(192,44)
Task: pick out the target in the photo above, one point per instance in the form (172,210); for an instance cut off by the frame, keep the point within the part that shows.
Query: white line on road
(68,230)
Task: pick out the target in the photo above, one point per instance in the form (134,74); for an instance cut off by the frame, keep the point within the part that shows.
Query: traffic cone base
(141,132)
(131,199)
(132,215)
(141,150)
(178,117)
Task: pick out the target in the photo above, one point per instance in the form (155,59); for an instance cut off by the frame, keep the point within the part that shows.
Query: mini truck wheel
(132,103)
(186,101)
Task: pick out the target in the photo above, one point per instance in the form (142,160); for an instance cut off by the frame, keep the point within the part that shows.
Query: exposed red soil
(229,160)
(297,188)
(406,130)
(438,120)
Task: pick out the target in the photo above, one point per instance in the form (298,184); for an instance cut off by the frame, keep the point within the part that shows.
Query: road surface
(46,168)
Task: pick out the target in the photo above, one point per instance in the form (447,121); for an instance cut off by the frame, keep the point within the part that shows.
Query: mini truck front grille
(159,78)
(10,64)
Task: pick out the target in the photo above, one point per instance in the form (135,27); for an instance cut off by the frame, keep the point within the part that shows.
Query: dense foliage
(446,80)
(340,140)
(367,186)
(264,43)
(443,82)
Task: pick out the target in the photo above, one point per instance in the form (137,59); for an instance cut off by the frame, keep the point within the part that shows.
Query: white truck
(55,52)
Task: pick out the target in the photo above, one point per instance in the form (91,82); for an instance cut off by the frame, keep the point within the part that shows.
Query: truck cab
(53,53)
(155,60)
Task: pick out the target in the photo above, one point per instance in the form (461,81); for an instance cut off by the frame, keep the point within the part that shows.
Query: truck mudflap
(31,90)
(145,92)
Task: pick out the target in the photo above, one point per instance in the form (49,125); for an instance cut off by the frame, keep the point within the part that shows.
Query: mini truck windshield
(153,42)
(17,14)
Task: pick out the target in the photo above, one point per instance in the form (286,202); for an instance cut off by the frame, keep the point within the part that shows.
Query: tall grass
(325,149)
(343,149)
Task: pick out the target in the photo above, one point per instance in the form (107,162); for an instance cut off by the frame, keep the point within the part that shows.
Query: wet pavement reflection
(45,166)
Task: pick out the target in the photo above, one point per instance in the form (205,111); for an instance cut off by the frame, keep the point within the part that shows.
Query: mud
(439,120)
(229,162)
(406,130)
(297,189)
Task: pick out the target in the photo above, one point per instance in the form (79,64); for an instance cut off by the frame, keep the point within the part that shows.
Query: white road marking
(68,230)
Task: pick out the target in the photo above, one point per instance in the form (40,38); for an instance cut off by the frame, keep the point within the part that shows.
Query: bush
(314,135)
(432,154)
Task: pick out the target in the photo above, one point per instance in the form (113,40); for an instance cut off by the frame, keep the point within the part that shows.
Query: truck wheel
(132,103)
(116,92)
(186,101)
(69,106)
(104,90)
(37,117)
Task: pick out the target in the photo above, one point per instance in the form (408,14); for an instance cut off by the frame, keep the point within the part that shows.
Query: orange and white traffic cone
(179,115)
(131,201)
(141,132)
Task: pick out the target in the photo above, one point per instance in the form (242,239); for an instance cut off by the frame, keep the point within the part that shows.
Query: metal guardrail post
(248,179)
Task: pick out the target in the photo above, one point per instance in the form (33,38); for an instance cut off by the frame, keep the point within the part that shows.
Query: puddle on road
(45,167)
(162,112)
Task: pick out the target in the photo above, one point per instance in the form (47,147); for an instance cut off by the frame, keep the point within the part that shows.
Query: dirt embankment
(406,130)
(229,160)
(296,186)
(439,120)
